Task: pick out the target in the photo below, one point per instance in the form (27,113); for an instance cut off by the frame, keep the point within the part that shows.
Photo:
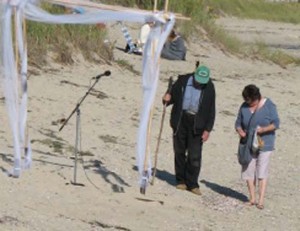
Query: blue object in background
(78,10)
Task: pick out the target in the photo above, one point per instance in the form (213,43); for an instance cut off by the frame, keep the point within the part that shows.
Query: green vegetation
(204,13)
(64,40)
(56,145)
(142,4)
(258,9)
(277,56)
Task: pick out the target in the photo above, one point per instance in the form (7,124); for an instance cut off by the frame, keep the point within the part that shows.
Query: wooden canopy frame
(89,4)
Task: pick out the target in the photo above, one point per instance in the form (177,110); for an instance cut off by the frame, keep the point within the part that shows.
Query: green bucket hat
(202,74)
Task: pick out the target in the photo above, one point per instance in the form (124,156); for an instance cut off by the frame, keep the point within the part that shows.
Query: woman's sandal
(260,206)
(250,203)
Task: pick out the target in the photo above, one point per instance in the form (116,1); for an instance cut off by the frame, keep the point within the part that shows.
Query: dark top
(205,116)
(264,116)
(174,50)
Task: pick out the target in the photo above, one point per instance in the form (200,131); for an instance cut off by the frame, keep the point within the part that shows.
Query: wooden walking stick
(197,64)
(160,130)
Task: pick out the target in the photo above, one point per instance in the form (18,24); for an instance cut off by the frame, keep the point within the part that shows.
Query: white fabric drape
(10,85)
(151,56)
(17,105)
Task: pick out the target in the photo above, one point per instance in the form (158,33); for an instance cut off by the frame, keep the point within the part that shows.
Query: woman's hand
(241,132)
(260,130)
(269,128)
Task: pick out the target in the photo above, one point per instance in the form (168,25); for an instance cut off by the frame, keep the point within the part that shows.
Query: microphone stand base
(77,184)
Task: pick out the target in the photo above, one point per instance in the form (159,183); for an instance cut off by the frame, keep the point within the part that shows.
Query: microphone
(106,73)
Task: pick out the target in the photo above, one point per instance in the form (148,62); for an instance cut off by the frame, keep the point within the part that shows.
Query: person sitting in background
(138,46)
(143,36)
(74,10)
(78,10)
(174,48)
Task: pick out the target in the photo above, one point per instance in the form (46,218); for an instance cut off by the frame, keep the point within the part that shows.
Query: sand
(43,198)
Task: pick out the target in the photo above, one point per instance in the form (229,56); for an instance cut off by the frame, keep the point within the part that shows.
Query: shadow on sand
(225,191)
(162,175)
(109,176)
(8,158)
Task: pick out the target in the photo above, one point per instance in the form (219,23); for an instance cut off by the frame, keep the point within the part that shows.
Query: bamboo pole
(148,139)
(89,4)
(16,55)
(166,5)
(26,137)
(17,157)
(147,153)
(155,6)
(16,39)
(24,33)
(145,167)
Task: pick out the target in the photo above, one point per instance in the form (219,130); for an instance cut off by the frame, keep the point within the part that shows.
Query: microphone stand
(77,109)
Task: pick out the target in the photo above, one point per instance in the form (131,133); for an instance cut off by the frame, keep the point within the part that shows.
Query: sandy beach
(43,198)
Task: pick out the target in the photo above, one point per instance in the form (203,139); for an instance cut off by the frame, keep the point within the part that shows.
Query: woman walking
(262,114)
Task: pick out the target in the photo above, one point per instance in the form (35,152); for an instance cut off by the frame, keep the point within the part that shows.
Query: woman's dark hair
(251,93)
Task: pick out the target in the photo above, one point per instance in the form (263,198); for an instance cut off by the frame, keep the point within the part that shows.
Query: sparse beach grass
(65,40)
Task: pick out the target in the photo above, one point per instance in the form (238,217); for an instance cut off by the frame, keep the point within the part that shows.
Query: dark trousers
(188,152)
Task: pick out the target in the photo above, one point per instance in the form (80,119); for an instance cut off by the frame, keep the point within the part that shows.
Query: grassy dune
(64,40)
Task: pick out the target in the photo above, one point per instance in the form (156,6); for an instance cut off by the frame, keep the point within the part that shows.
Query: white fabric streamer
(23,74)
(151,56)
(29,9)
(11,86)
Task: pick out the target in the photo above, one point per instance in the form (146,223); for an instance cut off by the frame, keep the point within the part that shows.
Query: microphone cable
(82,161)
